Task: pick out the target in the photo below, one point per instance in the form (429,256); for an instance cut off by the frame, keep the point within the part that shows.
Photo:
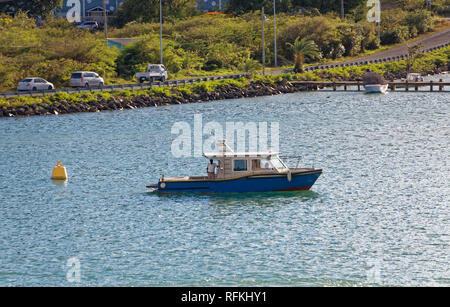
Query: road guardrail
(112,88)
(376,61)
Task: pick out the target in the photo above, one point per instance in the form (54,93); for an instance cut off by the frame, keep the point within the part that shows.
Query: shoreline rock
(254,89)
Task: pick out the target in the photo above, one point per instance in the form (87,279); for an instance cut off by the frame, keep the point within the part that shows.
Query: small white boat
(376,88)
(414,77)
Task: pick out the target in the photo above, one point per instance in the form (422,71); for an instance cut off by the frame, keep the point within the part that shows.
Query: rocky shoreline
(254,89)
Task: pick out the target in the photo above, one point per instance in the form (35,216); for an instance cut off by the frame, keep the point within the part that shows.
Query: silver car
(86,79)
(88,25)
(35,84)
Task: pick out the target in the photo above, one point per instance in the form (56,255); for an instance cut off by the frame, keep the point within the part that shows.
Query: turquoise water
(379,215)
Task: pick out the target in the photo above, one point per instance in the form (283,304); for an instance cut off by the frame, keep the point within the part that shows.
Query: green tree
(52,51)
(241,7)
(148,10)
(413,55)
(250,66)
(327,5)
(303,49)
(320,29)
(412,4)
(34,8)
(137,56)
(422,20)
(441,7)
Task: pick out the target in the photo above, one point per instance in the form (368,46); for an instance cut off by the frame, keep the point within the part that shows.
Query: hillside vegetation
(52,51)
(194,46)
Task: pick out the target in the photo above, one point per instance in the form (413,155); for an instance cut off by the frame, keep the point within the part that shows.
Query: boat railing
(290,158)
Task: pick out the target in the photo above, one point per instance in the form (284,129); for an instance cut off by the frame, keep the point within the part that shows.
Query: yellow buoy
(59,172)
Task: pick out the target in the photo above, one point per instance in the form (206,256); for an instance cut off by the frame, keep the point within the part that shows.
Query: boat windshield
(268,165)
(277,163)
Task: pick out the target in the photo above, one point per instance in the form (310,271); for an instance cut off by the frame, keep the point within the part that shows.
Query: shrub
(135,57)
(351,40)
(203,87)
(321,30)
(393,18)
(334,49)
(441,7)
(412,4)
(395,36)
(212,65)
(422,20)
(444,10)
(227,55)
(369,37)
(250,66)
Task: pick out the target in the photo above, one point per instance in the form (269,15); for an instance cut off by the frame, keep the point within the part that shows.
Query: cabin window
(256,165)
(240,165)
(261,164)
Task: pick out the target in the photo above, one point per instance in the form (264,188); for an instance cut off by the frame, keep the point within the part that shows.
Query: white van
(86,79)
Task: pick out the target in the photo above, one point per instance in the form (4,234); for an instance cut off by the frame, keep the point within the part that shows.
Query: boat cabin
(235,164)
(232,165)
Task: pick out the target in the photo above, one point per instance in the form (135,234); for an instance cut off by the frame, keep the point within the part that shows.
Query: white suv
(34,84)
(86,79)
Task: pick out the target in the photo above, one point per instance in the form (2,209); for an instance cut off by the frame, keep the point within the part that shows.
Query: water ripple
(379,215)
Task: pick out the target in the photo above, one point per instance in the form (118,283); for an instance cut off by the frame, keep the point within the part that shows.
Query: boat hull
(253,183)
(376,88)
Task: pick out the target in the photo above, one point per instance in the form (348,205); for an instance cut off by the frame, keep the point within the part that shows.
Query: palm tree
(302,49)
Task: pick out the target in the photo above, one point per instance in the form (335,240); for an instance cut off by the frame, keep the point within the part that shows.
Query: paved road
(431,41)
(434,40)
(133,86)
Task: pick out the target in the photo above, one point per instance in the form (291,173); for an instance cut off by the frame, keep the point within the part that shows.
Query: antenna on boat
(223,147)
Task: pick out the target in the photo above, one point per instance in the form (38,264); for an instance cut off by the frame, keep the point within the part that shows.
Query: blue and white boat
(242,172)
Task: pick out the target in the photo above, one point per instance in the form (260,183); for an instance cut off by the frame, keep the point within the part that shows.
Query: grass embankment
(93,97)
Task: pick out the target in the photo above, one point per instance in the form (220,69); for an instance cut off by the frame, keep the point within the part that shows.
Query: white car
(86,79)
(35,84)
